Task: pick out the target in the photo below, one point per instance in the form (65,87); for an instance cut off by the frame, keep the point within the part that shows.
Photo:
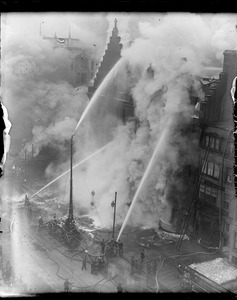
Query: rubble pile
(218,270)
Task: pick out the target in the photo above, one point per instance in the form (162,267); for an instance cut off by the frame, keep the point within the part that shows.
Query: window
(229,174)
(202,191)
(226,226)
(217,144)
(226,205)
(210,168)
(208,194)
(208,191)
(230,147)
(212,145)
(213,141)
(216,171)
(206,140)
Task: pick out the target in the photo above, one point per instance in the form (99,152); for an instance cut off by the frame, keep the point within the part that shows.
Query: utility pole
(70,215)
(113,204)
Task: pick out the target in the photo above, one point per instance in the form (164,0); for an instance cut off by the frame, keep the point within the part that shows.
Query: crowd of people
(98,265)
(137,264)
(112,248)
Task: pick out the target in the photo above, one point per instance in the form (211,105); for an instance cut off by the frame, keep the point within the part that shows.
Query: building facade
(215,213)
(81,60)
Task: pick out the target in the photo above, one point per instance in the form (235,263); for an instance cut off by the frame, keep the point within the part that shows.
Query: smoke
(43,105)
(171,56)
(164,55)
(166,60)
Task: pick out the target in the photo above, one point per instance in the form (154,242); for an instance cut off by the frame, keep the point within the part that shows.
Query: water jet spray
(144,177)
(75,166)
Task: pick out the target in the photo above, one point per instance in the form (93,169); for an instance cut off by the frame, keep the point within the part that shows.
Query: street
(43,263)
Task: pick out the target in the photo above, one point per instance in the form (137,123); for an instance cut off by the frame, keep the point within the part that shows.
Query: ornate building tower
(111,56)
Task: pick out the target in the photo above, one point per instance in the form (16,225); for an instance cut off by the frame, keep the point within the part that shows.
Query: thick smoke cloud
(43,105)
(165,55)
(178,49)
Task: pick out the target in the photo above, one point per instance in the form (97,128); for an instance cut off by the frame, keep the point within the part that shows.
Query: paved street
(43,263)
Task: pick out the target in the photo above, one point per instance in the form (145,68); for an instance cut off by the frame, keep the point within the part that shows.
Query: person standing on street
(119,288)
(67,286)
(41,222)
(120,245)
(103,246)
(84,262)
(132,265)
(142,255)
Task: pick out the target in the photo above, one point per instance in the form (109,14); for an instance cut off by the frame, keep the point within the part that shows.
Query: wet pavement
(49,264)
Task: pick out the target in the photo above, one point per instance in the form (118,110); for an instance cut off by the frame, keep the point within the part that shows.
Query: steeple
(111,56)
(115,29)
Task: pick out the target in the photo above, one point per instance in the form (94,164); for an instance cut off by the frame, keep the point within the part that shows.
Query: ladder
(187,220)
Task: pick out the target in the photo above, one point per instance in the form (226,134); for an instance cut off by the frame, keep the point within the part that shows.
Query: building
(215,210)
(124,108)
(81,59)
(210,216)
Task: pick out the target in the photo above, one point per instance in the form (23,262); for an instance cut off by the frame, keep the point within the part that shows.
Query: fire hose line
(59,266)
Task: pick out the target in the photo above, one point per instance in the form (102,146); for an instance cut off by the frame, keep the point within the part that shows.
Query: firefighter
(186,278)
(136,265)
(120,245)
(142,255)
(119,288)
(84,262)
(103,246)
(93,267)
(96,267)
(116,249)
(102,265)
(132,265)
(67,286)
(41,223)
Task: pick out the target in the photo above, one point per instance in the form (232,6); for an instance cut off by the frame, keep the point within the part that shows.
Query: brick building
(215,206)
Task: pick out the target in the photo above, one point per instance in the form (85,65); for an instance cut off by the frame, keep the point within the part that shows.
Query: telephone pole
(113,204)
